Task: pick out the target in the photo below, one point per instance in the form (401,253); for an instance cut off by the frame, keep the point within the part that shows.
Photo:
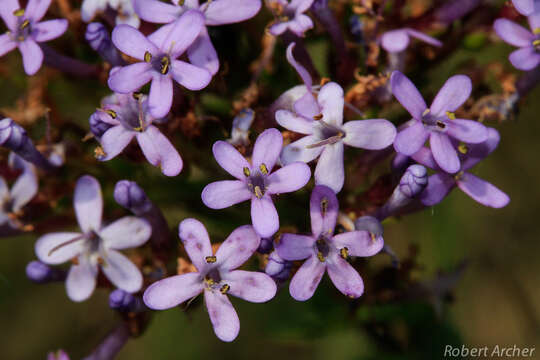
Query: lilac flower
(527,57)
(397,40)
(255,181)
(215,277)
(124,11)
(25,31)
(240,127)
(96,245)
(158,54)
(216,12)
(440,184)
(527,7)
(291,16)
(321,120)
(326,251)
(124,117)
(438,123)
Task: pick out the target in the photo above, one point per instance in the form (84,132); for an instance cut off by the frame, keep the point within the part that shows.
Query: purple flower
(127,116)
(158,54)
(440,184)
(240,127)
(326,251)
(255,181)
(291,16)
(216,12)
(397,40)
(321,120)
(25,31)
(124,11)
(215,277)
(96,245)
(527,7)
(527,57)
(438,123)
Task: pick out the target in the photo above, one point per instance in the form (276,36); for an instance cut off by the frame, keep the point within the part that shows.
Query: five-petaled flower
(25,31)
(326,251)
(290,16)
(97,245)
(158,54)
(438,123)
(527,57)
(215,277)
(397,40)
(255,181)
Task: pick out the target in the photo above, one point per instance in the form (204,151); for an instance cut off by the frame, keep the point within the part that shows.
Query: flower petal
(90,8)
(307,278)
(294,122)
(289,178)
(306,105)
(295,247)
(345,277)
(36,9)
(267,149)
(524,7)
(49,247)
(423,37)
(6,44)
(222,315)
(534,19)
(395,41)
(196,241)
(161,96)
(130,78)
(238,247)
(127,232)
(444,153)
(411,139)
(155,11)
(203,54)
(24,189)
(81,280)
(114,141)
(425,157)
(439,185)
(48,30)
(264,216)
(88,203)
(329,170)
(121,271)
(407,94)
(479,152)
(513,33)
(6,12)
(278,28)
(359,243)
(298,151)
(183,33)
(468,131)
(323,210)
(190,76)
(251,286)
(455,91)
(220,12)
(525,58)
(331,101)
(482,191)
(373,134)
(32,56)
(159,151)
(172,291)
(300,24)
(132,42)
(230,159)
(222,194)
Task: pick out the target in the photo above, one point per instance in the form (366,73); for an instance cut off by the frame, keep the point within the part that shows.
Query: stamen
(463,148)
(209,281)
(100,261)
(59,246)
(140,128)
(224,289)
(344,253)
(441,125)
(324,206)
(331,140)
(536,31)
(137,95)
(536,42)
(18,12)
(147,57)
(165,62)
(373,237)
(210,259)
(99,152)
(451,115)
(458,176)
(427,111)
(318,117)
(75,261)
(26,22)
(320,256)
(263,169)
(246,172)
(111,113)
(258,192)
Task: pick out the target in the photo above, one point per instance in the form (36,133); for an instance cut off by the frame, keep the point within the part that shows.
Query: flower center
(323,248)
(329,134)
(257,180)
(160,63)
(213,280)
(23,29)
(437,123)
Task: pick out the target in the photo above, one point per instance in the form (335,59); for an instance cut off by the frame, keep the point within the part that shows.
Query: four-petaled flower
(326,251)
(25,31)
(438,123)
(158,54)
(216,12)
(255,181)
(290,16)
(215,277)
(527,57)
(97,245)
(397,40)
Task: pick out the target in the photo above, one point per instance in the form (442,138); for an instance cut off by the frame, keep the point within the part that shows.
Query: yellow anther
(451,115)
(18,12)
(258,192)
(210,259)
(536,31)
(536,42)
(344,253)
(209,281)
(147,57)
(111,113)
(246,172)
(224,288)
(25,23)
(427,111)
(318,117)
(99,152)
(320,256)
(264,169)
(324,206)
(463,148)
(165,62)
(373,237)
(458,176)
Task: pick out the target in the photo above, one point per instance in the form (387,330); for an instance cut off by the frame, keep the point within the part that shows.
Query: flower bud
(97,125)
(265,246)
(130,196)
(99,39)
(414,181)
(370,224)
(121,300)
(277,268)
(42,273)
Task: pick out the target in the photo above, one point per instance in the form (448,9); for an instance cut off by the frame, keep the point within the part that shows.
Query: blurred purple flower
(440,184)
(326,251)
(291,16)
(215,12)
(240,127)
(397,40)
(96,245)
(25,31)
(438,123)
(255,181)
(527,57)
(215,277)
(124,11)
(527,7)
(58,355)
(158,54)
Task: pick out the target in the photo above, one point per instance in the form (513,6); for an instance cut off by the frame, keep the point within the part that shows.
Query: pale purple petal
(306,105)
(278,28)
(127,232)
(307,278)
(237,248)
(161,96)
(407,94)
(196,241)
(32,56)
(203,54)
(159,151)
(295,247)
(297,151)
(323,209)
(444,153)
(264,216)
(49,247)
(395,40)
(220,12)
(468,131)
(49,30)
(425,157)
(6,12)
(294,123)
(411,139)
(329,170)
(222,315)
(373,134)
(130,78)
(88,203)
(439,185)
(183,33)
(24,189)
(513,33)
(359,243)
(300,6)
(4,190)
(155,11)
(331,101)
(190,76)
(115,140)
(423,37)
(455,91)
(300,24)
(222,194)
(230,159)
(81,280)
(289,178)
(479,152)
(251,286)
(172,291)
(345,277)
(524,7)
(267,149)
(36,9)
(6,44)
(90,8)
(525,58)
(121,271)
(534,20)
(132,42)
(482,191)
